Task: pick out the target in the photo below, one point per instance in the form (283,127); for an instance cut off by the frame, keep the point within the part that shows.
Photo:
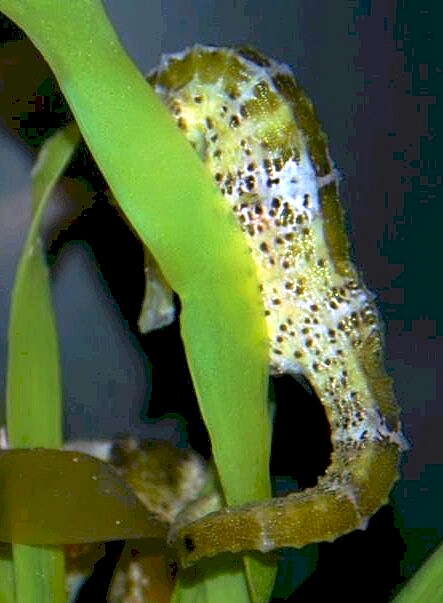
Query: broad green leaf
(170,200)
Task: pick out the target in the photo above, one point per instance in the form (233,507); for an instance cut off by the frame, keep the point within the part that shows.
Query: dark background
(373,70)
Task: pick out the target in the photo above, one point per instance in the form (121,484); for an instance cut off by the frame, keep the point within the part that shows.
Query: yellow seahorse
(258,134)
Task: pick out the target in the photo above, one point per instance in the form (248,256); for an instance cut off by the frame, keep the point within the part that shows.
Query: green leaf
(39,574)
(427,583)
(34,397)
(213,581)
(7,585)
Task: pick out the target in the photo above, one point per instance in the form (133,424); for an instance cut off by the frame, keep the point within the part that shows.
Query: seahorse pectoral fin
(158,305)
(336,506)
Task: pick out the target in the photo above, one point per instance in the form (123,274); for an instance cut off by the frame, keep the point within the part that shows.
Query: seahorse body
(257,132)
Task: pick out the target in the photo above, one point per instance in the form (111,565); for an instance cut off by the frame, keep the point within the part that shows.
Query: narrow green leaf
(7,584)
(427,583)
(34,397)
(39,574)
(213,581)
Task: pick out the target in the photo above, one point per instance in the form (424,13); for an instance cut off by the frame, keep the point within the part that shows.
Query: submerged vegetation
(204,257)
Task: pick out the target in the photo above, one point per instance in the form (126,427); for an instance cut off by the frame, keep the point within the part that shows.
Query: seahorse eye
(189,544)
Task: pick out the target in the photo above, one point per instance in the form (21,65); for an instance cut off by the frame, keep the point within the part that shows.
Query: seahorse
(258,133)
